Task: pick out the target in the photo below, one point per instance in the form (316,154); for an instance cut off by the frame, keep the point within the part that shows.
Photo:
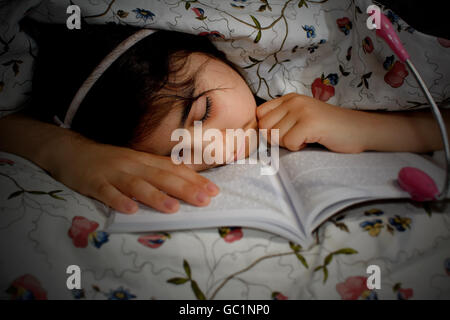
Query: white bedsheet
(42,233)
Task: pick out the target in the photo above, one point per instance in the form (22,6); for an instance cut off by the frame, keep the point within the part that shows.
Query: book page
(321,178)
(246,198)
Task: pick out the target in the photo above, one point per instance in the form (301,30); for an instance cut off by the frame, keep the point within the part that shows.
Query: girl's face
(224,102)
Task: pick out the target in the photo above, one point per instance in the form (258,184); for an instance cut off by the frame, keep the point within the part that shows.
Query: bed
(318,48)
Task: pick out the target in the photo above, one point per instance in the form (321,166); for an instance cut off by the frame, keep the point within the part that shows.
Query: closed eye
(207,110)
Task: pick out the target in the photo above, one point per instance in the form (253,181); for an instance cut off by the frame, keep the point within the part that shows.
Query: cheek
(235,110)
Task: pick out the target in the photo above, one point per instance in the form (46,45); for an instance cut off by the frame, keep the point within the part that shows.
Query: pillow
(321,50)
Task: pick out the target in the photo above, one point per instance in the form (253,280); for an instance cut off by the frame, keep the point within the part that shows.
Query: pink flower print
(352,288)
(444,42)
(367,45)
(80,230)
(417,183)
(323,88)
(212,34)
(154,240)
(278,296)
(6,161)
(231,234)
(404,294)
(396,75)
(200,13)
(27,287)
(344,24)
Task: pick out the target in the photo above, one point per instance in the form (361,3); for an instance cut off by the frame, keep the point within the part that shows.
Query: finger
(302,146)
(271,118)
(109,195)
(181,170)
(144,192)
(179,187)
(295,139)
(268,106)
(189,174)
(200,167)
(284,125)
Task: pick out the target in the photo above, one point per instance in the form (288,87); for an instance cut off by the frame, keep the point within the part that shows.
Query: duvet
(318,48)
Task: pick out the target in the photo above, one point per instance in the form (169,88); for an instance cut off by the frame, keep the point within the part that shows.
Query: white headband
(96,74)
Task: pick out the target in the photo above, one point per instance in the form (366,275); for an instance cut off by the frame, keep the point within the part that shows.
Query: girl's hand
(302,119)
(110,174)
(115,175)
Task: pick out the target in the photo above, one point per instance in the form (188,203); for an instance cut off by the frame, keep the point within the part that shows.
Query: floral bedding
(319,48)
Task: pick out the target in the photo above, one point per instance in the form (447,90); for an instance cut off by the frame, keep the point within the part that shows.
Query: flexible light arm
(386,31)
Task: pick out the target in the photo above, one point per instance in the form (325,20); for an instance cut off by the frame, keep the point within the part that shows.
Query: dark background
(427,16)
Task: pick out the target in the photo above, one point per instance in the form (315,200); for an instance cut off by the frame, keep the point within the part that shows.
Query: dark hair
(125,104)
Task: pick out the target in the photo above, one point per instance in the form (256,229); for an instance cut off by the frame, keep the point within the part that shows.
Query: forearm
(42,143)
(408,131)
(114,175)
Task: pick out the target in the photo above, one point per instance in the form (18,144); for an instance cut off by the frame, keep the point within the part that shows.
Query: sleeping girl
(119,148)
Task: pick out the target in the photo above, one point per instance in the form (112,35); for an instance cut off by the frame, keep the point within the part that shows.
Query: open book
(311,186)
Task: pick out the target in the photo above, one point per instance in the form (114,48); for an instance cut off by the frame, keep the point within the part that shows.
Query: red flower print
(154,240)
(321,90)
(200,13)
(342,21)
(213,34)
(80,230)
(6,161)
(27,287)
(444,42)
(396,75)
(404,294)
(231,234)
(344,24)
(418,184)
(278,296)
(367,45)
(352,288)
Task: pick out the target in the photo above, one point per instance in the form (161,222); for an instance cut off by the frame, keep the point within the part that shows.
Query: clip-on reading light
(416,182)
